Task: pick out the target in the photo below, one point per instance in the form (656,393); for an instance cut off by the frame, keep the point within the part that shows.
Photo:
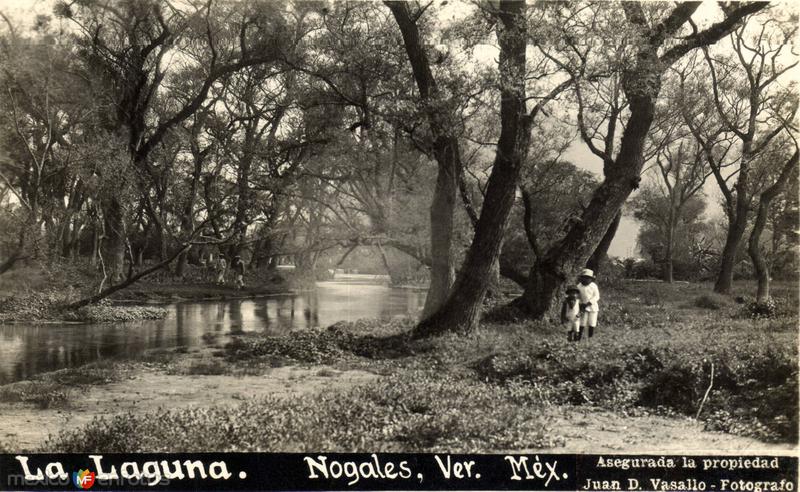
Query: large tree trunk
(668,254)
(736,228)
(442,270)
(448,158)
(600,255)
(113,246)
(187,225)
(754,248)
(566,257)
(460,311)
(241,219)
(737,222)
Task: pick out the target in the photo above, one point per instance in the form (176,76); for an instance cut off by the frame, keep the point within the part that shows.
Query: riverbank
(169,292)
(636,388)
(47,308)
(35,295)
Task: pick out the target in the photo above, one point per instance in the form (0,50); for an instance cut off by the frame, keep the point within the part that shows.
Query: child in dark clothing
(571,314)
(237,265)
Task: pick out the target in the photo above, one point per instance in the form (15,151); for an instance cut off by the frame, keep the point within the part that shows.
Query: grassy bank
(500,387)
(163,292)
(38,294)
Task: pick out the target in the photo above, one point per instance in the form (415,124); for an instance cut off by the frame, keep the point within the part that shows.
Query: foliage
(754,309)
(327,345)
(107,313)
(632,376)
(418,411)
(690,234)
(556,193)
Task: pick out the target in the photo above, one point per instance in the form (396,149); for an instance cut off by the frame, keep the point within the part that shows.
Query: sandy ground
(26,427)
(594,430)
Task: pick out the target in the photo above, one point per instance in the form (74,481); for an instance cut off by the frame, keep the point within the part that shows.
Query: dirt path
(25,427)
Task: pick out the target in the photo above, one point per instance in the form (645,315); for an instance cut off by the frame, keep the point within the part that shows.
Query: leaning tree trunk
(754,248)
(566,257)
(460,311)
(600,255)
(736,229)
(737,224)
(442,273)
(448,158)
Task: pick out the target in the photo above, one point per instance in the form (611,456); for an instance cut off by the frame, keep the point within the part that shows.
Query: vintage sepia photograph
(425,226)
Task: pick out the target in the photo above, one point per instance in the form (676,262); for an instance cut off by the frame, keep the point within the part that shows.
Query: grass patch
(206,368)
(712,301)
(95,373)
(107,313)
(387,340)
(418,411)
(42,394)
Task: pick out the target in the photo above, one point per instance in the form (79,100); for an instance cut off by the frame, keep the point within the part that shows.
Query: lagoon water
(26,350)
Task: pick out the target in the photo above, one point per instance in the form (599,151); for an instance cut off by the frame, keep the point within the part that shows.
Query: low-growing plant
(95,373)
(418,411)
(712,301)
(206,368)
(42,394)
(105,312)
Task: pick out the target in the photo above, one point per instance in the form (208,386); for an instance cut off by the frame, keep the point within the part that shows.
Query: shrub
(761,310)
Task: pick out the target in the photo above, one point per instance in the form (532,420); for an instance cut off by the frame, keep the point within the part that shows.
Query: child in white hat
(589,299)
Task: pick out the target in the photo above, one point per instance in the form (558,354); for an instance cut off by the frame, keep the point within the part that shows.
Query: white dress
(589,294)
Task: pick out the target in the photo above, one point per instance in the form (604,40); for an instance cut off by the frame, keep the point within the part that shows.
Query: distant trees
(749,105)
(41,117)
(673,205)
(667,232)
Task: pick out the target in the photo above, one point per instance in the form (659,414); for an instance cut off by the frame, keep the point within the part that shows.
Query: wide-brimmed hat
(586,273)
(573,290)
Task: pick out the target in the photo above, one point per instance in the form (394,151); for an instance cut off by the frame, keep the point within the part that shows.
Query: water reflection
(28,350)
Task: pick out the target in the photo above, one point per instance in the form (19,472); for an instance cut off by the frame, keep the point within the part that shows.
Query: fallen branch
(114,288)
(708,390)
